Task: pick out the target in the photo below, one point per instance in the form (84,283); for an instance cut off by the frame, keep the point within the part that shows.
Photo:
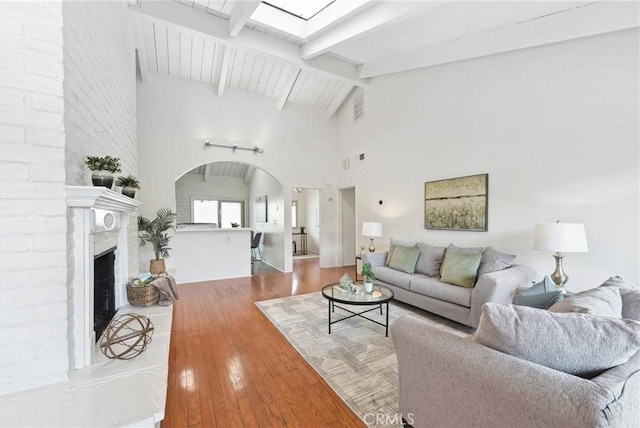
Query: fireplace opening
(104,299)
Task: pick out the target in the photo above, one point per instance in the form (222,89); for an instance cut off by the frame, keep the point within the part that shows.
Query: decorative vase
(102,178)
(368,287)
(129,191)
(157,266)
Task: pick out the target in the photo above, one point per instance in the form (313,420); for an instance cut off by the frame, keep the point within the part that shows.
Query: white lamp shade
(371,229)
(560,237)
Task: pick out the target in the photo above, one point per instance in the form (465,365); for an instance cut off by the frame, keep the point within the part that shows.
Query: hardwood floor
(230,367)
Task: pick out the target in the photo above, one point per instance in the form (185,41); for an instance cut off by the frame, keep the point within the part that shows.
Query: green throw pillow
(460,268)
(540,295)
(538,300)
(404,258)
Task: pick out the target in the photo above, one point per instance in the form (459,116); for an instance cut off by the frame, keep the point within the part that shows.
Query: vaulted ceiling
(250,46)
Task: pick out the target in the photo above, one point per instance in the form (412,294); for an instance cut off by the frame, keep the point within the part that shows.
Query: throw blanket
(167,290)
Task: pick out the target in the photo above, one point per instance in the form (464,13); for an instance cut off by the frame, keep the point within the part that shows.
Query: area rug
(356,359)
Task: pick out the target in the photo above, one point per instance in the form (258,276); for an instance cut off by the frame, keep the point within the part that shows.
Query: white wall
(278,226)
(33,263)
(176,116)
(312,205)
(67,89)
(555,127)
(100,105)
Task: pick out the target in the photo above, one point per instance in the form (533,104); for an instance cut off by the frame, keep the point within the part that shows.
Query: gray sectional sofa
(424,289)
(526,367)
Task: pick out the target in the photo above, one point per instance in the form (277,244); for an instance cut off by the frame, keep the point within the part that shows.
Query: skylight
(306,9)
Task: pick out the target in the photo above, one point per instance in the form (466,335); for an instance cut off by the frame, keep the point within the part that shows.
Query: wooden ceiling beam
(207,172)
(575,21)
(241,11)
(375,17)
(193,20)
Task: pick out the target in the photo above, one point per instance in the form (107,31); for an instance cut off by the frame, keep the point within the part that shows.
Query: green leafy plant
(128,181)
(106,163)
(235,224)
(155,231)
(367,273)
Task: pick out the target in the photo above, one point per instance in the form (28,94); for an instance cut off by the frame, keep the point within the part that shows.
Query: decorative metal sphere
(126,336)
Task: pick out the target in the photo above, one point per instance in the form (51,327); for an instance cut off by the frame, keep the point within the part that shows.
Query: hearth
(104,299)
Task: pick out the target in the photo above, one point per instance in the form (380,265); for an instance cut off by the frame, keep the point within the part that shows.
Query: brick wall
(33,224)
(100,100)
(67,89)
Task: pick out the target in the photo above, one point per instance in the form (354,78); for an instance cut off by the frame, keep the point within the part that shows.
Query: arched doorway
(220,193)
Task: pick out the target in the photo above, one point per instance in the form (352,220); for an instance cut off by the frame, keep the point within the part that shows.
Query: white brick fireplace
(100,219)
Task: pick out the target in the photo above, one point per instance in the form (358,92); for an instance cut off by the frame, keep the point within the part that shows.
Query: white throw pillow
(579,344)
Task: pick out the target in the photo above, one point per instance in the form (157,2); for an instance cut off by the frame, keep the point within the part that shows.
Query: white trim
(82,199)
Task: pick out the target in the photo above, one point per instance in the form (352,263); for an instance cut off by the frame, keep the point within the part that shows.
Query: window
(205,211)
(222,213)
(294,214)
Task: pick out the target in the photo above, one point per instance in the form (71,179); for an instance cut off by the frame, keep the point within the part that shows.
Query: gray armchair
(449,381)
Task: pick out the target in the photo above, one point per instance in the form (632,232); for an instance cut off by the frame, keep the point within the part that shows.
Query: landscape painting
(457,203)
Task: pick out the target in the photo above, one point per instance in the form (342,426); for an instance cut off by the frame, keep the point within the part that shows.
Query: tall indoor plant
(103,168)
(155,232)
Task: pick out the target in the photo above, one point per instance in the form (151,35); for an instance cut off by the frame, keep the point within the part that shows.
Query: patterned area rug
(356,359)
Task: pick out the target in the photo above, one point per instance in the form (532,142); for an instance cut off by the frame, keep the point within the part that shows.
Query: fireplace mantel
(90,205)
(99,197)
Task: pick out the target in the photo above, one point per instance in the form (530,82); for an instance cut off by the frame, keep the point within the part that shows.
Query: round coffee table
(381,295)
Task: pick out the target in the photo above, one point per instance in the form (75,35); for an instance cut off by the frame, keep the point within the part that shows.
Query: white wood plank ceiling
(224,169)
(245,45)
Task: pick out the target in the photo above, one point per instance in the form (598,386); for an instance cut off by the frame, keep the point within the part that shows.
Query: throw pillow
(630,304)
(392,246)
(538,300)
(579,344)
(493,260)
(404,258)
(460,268)
(540,295)
(462,250)
(603,301)
(430,259)
(616,281)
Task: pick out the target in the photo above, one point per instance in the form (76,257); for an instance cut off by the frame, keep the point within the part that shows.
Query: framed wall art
(457,203)
(260,208)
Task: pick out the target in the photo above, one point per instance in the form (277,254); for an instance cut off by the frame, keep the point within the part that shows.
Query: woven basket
(142,296)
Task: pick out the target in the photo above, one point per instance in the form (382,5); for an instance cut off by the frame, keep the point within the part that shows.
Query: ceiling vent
(358,105)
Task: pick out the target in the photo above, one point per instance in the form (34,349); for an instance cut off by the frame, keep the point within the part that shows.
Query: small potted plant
(103,168)
(155,232)
(367,277)
(235,224)
(129,185)
(362,248)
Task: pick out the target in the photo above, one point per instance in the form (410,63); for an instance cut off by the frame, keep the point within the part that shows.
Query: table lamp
(371,230)
(560,238)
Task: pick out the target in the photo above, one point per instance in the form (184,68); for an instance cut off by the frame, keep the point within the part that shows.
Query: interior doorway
(348,220)
(305,223)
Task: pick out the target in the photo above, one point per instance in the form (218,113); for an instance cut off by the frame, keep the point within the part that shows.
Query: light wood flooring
(230,367)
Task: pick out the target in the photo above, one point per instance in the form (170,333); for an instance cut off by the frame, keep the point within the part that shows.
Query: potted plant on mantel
(367,277)
(155,232)
(129,185)
(103,168)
